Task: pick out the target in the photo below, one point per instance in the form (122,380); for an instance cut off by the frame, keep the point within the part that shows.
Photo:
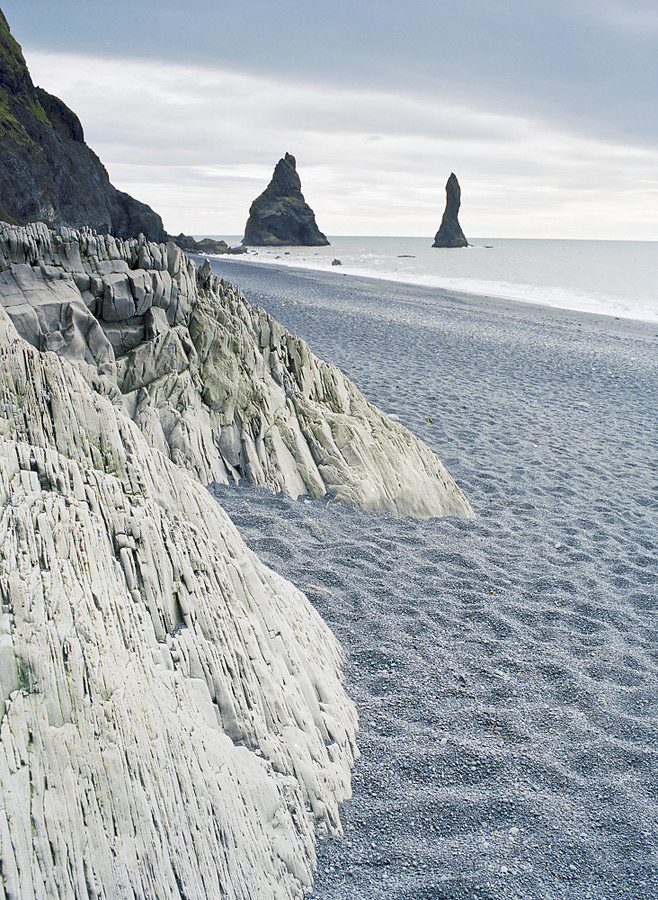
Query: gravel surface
(505,668)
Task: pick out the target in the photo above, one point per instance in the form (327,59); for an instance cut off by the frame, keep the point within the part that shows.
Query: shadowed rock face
(450,233)
(47,171)
(280,215)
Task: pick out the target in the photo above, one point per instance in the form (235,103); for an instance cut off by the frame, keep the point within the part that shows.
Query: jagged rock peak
(280,215)
(47,171)
(214,383)
(450,233)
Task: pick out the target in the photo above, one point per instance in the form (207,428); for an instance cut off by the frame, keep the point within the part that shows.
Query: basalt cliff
(47,171)
(280,216)
(450,233)
(172,716)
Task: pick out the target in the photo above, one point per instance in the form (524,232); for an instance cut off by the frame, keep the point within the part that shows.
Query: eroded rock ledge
(214,383)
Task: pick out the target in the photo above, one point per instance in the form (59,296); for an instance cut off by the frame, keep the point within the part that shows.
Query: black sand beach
(505,668)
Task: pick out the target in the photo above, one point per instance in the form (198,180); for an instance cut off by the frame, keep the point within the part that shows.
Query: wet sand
(505,668)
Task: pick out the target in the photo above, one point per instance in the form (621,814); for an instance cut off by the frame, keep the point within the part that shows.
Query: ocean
(615,278)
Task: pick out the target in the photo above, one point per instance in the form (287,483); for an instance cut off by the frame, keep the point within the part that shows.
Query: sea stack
(280,216)
(450,233)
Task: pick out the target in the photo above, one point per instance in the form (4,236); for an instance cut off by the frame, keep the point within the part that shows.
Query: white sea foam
(615,278)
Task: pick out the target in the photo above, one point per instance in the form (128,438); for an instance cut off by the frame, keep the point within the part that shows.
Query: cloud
(580,63)
(199,143)
(638,18)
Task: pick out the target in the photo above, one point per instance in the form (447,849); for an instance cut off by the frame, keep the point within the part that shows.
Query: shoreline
(455,277)
(448,296)
(504,667)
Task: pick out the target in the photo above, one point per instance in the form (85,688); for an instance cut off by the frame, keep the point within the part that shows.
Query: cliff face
(280,215)
(47,171)
(450,233)
(214,383)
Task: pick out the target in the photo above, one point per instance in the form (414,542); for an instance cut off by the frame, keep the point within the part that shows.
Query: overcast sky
(546,111)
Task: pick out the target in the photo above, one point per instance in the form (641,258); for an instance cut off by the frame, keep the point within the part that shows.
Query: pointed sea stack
(450,233)
(281,216)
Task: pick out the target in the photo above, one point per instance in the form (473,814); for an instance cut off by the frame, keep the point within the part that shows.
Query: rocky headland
(172,716)
(280,216)
(47,171)
(450,233)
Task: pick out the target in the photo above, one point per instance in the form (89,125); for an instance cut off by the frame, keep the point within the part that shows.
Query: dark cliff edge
(280,216)
(450,233)
(47,171)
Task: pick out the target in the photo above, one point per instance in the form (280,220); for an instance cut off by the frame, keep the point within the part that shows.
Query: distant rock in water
(450,233)
(281,215)
(205,246)
(47,171)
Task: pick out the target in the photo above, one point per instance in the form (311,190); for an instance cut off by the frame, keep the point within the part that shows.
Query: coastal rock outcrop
(172,719)
(214,383)
(280,215)
(47,171)
(450,233)
(205,246)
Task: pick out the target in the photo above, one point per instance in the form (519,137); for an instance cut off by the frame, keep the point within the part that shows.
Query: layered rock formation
(172,721)
(280,215)
(47,171)
(450,233)
(214,383)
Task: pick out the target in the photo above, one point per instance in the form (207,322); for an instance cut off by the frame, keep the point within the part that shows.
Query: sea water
(617,278)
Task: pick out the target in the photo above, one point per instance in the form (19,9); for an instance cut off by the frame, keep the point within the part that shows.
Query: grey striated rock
(172,720)
(213,382)
(47,171)
(280,216)
(450,233)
